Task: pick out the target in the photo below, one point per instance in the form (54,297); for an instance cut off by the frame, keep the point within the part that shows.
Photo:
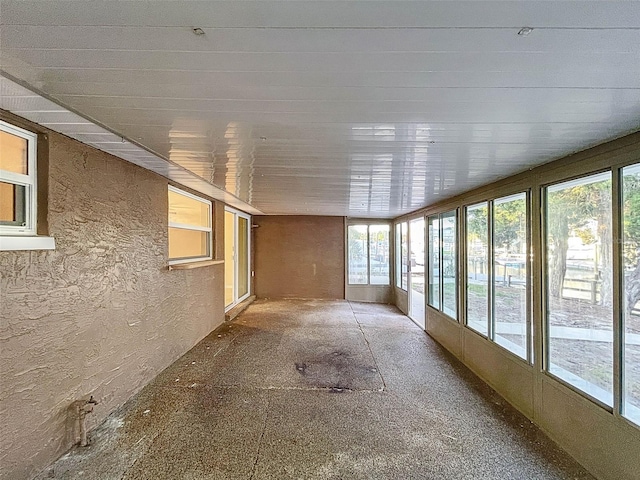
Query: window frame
(614,174)
(490,203)
(437,219)
(390,240)
(184,226)
(28,181)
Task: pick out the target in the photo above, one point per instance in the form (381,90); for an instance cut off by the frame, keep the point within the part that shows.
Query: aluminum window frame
(368,225)
(616,215)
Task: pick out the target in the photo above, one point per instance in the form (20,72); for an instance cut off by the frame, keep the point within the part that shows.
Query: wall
(299,257)
(600,439)
(101,315)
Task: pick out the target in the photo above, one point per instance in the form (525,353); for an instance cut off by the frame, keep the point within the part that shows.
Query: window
(477,287)
(190,231)
(401,249)
(510,279)
(405,255)
(398,250)
(579,286)
(433,276)
(379,254)
(358,255)
(442,263)
(17,181)
(631,292)
(449,264)
(497,286)
(368,254)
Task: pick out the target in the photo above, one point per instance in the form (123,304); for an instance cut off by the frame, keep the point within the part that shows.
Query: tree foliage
(631,230)
(582,211)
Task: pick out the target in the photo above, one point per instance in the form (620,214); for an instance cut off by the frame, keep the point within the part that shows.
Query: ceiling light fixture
(524,31)
(197,31)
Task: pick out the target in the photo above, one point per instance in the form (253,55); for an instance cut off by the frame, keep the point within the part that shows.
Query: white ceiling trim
(34,107)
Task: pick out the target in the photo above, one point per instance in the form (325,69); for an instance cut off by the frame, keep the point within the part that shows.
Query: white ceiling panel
(358,108)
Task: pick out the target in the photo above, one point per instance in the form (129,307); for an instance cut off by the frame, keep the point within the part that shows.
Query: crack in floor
(264,429)
(375,362)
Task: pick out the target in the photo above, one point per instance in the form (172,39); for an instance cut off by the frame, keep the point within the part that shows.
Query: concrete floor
(319,390)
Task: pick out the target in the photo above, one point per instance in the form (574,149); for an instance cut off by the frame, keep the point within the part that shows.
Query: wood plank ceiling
(355,108)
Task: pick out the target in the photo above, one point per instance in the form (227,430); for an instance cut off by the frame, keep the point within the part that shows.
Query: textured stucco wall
(299,257)
(101,315)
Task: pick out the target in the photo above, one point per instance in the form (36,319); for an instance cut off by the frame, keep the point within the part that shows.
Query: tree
(631,229)
(582,211)
(509,219)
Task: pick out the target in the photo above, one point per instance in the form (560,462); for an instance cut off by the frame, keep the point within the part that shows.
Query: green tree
(631,229)
(509,219)
(573,211)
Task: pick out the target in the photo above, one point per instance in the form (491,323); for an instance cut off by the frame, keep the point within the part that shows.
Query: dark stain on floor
(278,394)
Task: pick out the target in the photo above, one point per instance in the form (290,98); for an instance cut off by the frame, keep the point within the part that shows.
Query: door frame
(238,214)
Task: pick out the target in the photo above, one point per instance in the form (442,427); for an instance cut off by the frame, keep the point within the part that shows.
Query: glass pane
(449,265)
(510,273)
(477,291)
(631,305)
(14,153)
(379,254)
(187,243)
(243,257)
(358,262)
(398,257)
(188,211)
(405,256)
(434,262)
(416,292)
(12,204)
(579,284)
(229,258)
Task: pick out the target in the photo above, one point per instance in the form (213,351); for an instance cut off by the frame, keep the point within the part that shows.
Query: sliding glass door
(237,265)
(416,278)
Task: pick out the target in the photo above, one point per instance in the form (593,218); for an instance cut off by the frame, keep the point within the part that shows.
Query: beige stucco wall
(101,315)
(299,256)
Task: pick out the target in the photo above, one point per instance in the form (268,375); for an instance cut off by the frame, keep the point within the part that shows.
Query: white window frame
(28,181)
(186,226)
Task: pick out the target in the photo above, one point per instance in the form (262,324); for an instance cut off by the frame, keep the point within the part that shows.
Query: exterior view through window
(510,305)
(398,256)
(631,295)
(368,254)
(434,262)
(443,263)
(404,250)
(497,290)
(579,278)
(477,291)
(449,264)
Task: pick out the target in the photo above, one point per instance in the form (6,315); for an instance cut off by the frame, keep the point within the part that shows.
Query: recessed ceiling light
(524,31)
(197,31)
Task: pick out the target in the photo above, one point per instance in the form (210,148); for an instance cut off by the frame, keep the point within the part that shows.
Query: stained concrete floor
(317,390)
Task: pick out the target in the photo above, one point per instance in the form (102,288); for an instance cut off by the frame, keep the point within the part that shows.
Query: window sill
(189,266)
(17,243)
